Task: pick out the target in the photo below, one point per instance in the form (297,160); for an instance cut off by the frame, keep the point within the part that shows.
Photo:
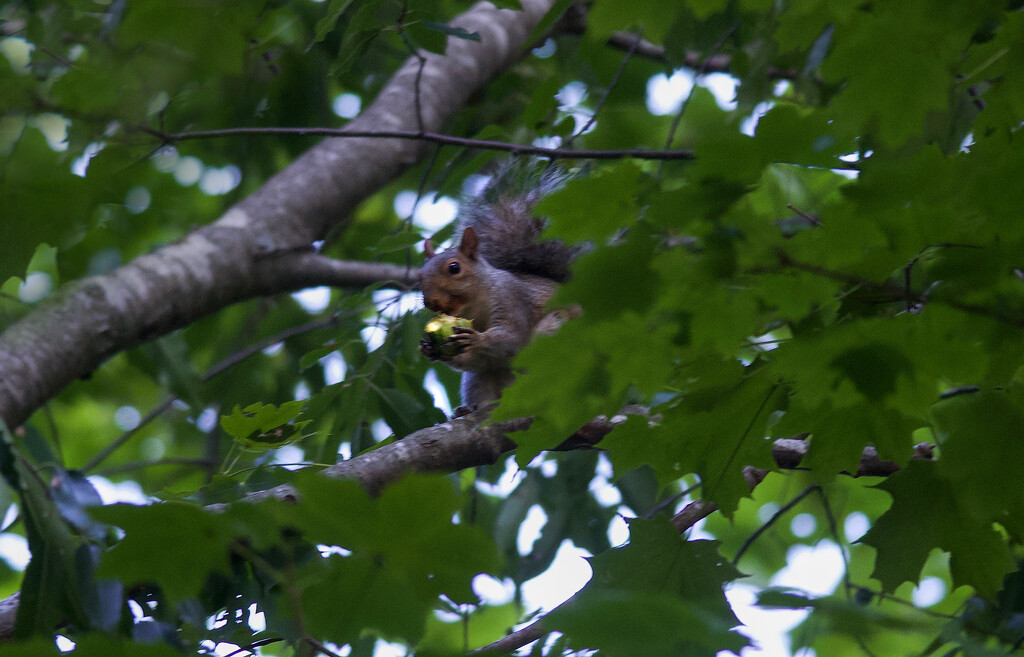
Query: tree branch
(245,252)
(575,22)
(430,137)
(715,64)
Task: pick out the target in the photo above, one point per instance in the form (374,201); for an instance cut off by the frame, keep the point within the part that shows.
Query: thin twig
(419,70)
(812,219)
(669,501)
(771,521)
(698,72)
(223,365)
(740,441)
(255,644)
(511,642)
(890,291)
(693,59)
(834,530)
(433,137)
(316,645)
(139,465)
(608,92)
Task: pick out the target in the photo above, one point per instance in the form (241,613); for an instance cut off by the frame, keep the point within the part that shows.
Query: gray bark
(256,247)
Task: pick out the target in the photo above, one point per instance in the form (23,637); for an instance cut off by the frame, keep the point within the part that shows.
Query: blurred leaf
(482,626)
(651,597)
(202,548)
(166,359)
(326,24)
(408,528)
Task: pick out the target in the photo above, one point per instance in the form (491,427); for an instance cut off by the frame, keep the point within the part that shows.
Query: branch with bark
(262,245)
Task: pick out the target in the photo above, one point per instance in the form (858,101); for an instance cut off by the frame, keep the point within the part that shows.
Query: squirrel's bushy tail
(502,216)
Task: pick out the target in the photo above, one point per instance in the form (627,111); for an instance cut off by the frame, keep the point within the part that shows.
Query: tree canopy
(804,302)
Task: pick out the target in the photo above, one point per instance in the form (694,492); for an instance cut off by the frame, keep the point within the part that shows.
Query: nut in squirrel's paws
(442,337)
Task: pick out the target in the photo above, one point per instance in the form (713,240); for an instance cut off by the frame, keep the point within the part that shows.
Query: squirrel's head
(448,278)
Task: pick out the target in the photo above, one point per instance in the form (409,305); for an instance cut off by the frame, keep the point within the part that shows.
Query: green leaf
(615,279)
(594,206)
(654,17)
(264,426)
(326,24)
(658,595)
(90,645)
(408,528)
(916,45)
(642,623)
(981,454)
(484,625)
(354,594)
(50,590)
(562,388)
(399,409)
(925,500)
(216,30)
(201,541)
(718,430)
(44,260)
(43,201)
(311,358)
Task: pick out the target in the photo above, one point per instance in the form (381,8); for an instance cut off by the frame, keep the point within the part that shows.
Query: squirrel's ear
(470,243)
(428,249)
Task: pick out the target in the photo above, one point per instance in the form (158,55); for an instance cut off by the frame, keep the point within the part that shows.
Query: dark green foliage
(847,269)
(660,594)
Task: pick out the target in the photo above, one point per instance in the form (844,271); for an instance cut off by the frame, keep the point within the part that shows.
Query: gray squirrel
(500,276)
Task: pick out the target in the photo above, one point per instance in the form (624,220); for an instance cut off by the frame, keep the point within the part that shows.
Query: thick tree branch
(243,254)
(297,270)
(443,448)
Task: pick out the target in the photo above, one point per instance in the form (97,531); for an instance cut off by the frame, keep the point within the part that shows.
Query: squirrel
(500,276)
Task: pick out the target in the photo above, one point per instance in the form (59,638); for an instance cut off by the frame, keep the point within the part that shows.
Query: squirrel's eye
(453,267)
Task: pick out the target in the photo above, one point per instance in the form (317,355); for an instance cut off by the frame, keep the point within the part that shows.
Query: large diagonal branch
(256,247)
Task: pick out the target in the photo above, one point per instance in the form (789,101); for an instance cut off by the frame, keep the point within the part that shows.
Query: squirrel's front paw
(465,340)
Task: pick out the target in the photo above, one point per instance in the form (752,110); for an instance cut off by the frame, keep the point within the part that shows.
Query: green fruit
(439,331)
